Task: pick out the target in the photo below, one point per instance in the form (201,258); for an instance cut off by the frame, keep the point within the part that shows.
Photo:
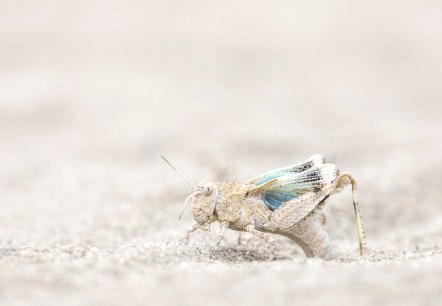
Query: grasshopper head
(205,196)
(204,202)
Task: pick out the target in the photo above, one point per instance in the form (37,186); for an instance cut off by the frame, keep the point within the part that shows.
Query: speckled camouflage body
(248,206)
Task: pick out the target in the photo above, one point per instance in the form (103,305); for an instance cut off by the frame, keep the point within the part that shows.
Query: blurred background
(91,92)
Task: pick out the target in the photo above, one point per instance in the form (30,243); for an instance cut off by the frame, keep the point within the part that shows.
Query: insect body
(285,201)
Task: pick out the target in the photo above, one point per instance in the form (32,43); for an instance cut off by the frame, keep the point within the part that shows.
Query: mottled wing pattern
(311,162)
(288,187)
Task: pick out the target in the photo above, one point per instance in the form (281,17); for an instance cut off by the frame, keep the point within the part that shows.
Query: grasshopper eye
(208,189)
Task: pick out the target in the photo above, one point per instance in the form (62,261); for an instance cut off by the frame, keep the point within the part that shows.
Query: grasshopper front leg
(222,229)
(196,226)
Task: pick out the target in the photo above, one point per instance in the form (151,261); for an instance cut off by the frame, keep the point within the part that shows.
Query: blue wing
(311,162)
(287,187)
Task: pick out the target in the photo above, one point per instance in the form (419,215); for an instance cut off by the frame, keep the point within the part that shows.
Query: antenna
(182,175)
(185,203)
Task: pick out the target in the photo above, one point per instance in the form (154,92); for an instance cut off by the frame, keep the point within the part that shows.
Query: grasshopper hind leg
(343,180)
(310,233)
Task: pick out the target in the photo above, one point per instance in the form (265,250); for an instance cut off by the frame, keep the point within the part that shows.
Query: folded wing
(294,184)
(311,162)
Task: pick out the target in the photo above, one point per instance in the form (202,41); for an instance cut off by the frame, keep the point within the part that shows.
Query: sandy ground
(92,93)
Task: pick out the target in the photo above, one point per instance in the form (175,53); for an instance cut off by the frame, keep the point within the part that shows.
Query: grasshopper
(286,201)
